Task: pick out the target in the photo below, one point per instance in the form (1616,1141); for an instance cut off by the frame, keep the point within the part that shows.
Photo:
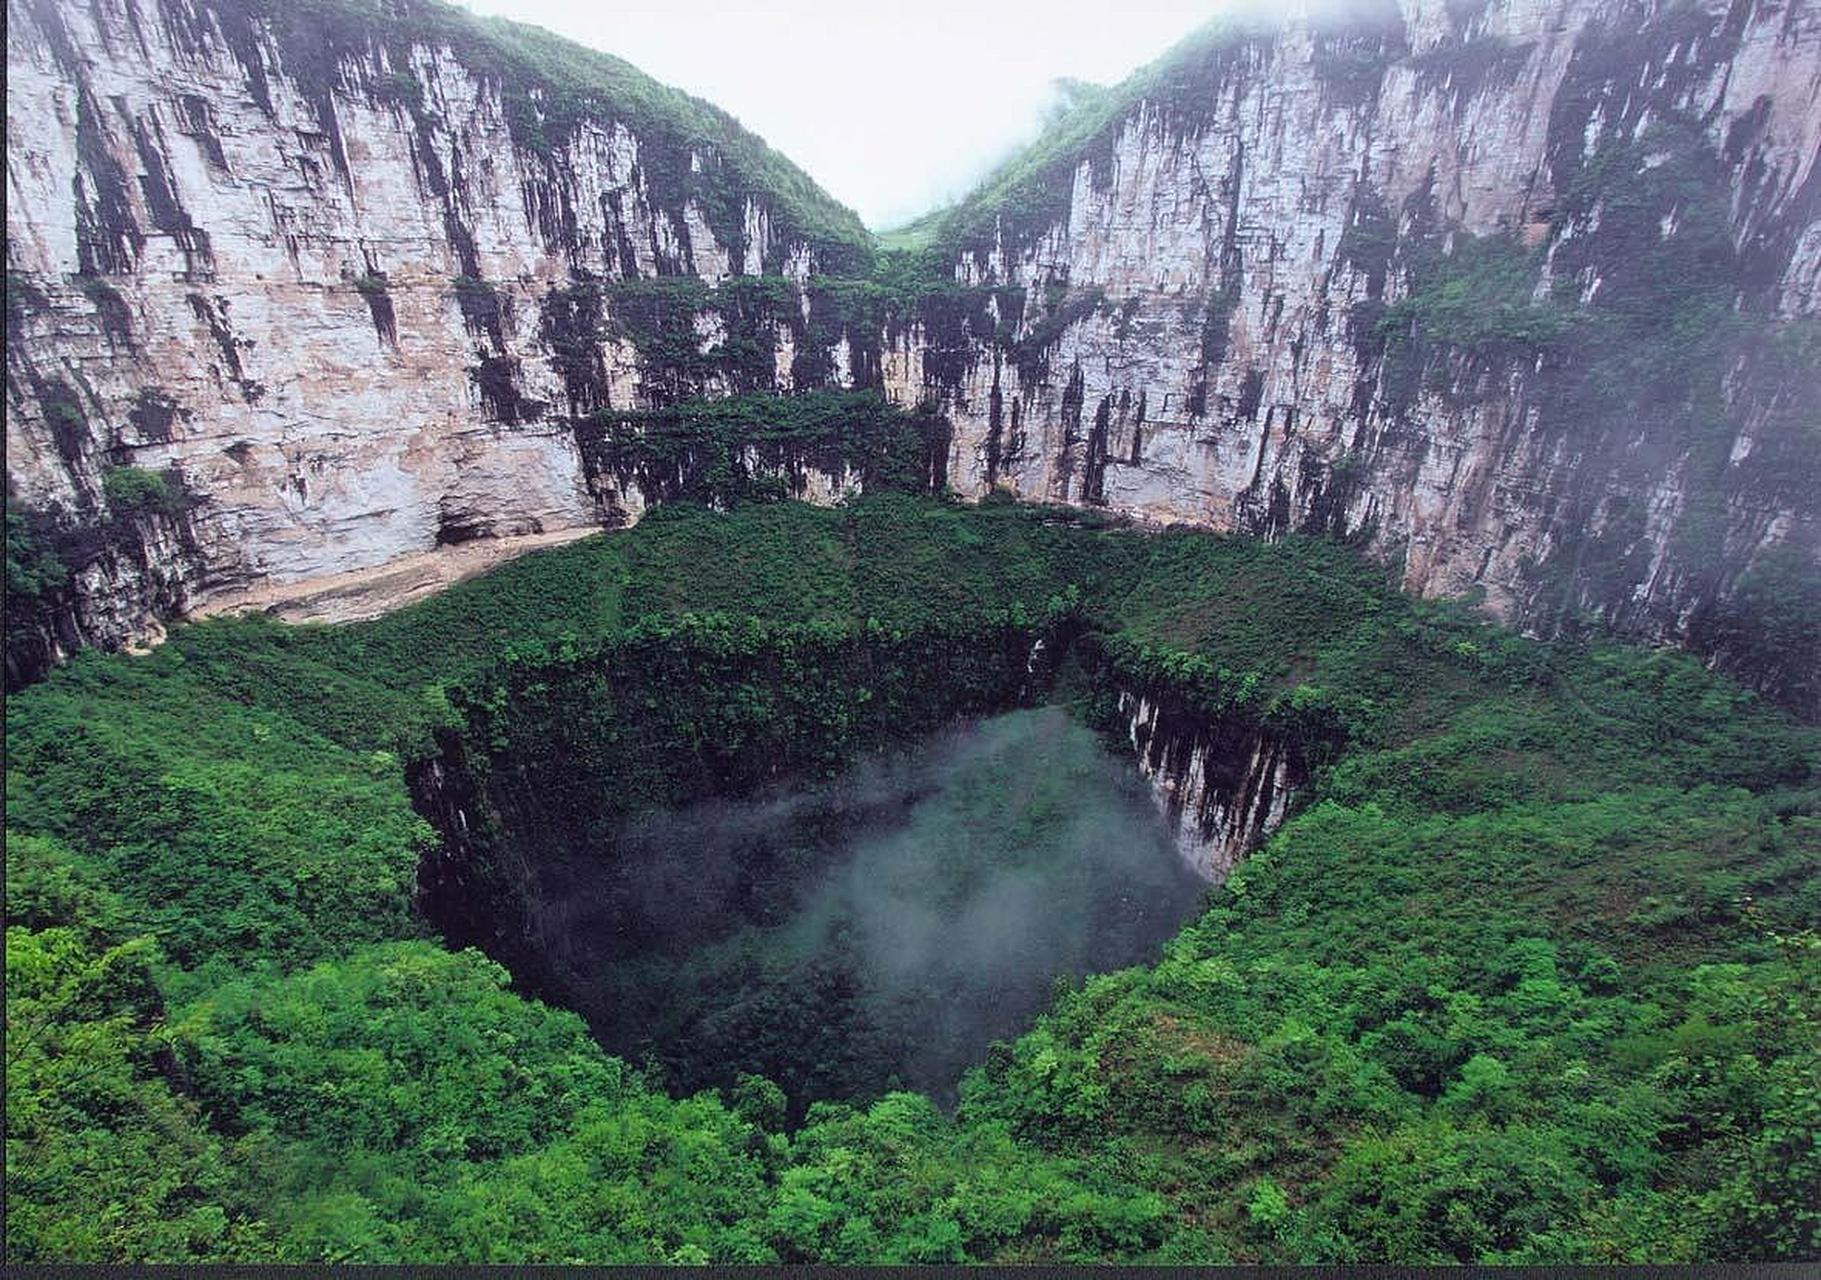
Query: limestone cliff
(1522,295)
(344,282)
(1222,785)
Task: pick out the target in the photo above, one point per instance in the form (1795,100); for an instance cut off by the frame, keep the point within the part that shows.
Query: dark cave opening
(847,936)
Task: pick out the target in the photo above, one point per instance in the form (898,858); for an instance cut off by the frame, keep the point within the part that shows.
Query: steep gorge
(1522,296)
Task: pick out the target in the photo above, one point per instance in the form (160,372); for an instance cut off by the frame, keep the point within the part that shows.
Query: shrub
(133,491)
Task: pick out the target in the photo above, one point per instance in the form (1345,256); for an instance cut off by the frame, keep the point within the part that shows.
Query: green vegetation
(33,568)
(1033,187)
(762,446)
(1645,351)
(1354,47)
(1768,626)
(66,418)
(480,306)
(661,317)
(1479,296)
(1531,974)
(136,491)
(1464,66)
(1659,369)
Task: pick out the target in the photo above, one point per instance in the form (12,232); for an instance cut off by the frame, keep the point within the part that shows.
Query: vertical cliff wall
(343,284)
(1222,785)
(1523,295)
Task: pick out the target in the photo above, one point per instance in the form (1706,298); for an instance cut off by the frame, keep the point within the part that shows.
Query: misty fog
(877,931)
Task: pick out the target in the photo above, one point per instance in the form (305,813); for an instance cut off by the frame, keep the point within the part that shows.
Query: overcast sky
(893,108)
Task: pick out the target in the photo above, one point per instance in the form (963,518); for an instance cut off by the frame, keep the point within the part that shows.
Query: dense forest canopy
(1530,969)
(1530,973)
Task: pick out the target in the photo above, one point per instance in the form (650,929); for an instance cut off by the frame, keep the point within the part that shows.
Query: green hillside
(1032,187)
(1531,974)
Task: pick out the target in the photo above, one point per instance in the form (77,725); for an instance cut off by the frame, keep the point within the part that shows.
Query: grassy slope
(1518,952)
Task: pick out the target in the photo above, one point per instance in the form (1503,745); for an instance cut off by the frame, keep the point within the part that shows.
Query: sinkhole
(846,936)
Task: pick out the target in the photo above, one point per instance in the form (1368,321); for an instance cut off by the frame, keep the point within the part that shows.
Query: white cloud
(893,108)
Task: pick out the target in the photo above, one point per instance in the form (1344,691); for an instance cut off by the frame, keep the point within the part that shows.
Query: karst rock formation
(1522,295)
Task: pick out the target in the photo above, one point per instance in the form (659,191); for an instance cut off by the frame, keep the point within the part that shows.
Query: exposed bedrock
(351,292)
(1222,784)
(1520,295)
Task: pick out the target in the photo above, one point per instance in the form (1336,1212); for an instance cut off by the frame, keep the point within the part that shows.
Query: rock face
(321,279)
(1222,787)
(1520,295)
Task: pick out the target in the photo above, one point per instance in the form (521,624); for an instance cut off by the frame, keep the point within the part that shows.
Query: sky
(895,109)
